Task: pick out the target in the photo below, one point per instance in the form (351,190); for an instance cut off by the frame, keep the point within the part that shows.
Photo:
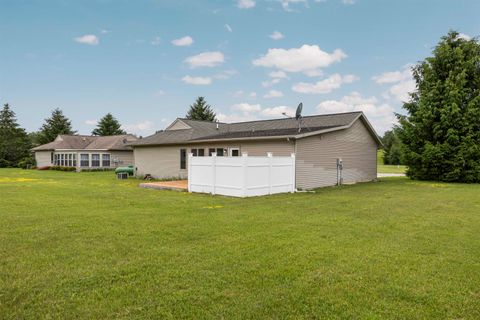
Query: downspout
(295,152)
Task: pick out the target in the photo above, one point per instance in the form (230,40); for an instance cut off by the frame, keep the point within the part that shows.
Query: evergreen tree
(200,110)
(14,142)
(392,147)
(55,125)
(441,133)
(108,126)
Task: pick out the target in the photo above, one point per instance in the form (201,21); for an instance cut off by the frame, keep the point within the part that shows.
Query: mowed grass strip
(85,245)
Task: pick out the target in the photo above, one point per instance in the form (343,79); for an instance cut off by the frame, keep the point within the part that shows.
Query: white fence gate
(241,176)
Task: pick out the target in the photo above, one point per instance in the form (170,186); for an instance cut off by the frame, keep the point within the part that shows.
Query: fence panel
(241,176)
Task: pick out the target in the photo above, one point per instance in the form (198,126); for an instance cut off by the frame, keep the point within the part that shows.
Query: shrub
(5,163)
(97,169)
(25,163)
(61,168)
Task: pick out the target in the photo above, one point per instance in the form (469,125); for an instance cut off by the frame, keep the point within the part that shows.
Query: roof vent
(124,141)
(217,125)
(84,139)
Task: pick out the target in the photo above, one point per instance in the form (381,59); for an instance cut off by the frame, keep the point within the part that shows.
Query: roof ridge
(213,122)
(310,116)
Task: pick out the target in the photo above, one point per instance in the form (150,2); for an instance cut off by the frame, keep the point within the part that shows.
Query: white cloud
(246,108)
(245,4)
(327,85)
(393,76)
(269,83)
(303,59)
(348,2)
(277,35)
(402,81)
(464,36)
(247,112)
(313,73)
(278,74)
(182,42)
(277,112)
(206,59)
(228,28)
(156,41)
(141,127)
(401,90)
(286,3)
(159,93)
(227,74)
(381,115)
(273,94)
(89,39)
(105,31)
(252,95)
(197,80)
(91,122)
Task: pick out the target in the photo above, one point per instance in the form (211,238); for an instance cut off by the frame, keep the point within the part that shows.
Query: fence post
(294,173)
(189,173)
(245,169)
(214,171)
(270,160)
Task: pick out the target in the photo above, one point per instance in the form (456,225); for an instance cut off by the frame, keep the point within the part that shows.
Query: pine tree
(392,147)
(200,110)
(441,133)
(14,142)
(55,125)
(108,126)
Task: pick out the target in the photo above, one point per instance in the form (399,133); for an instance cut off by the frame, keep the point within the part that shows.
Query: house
(317,141)
(85,152)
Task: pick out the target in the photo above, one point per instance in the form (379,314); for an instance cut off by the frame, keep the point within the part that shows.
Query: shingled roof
(79,142)
(204,131)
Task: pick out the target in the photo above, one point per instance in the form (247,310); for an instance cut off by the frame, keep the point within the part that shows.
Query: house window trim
(183,158)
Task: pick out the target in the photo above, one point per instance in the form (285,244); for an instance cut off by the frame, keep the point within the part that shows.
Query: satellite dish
(298,114)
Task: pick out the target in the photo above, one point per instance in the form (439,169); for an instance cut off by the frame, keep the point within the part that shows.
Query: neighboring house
(86,152)
(317,141)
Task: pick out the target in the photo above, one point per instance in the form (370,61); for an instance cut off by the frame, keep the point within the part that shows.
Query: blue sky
(147,61)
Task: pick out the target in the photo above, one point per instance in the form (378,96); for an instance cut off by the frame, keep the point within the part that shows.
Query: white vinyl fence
(241,176)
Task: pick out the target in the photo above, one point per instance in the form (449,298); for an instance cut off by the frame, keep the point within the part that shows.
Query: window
(211,151)
(234,152)
(74,160)
(52,157)
(84,160)
(198,152)
(220,152)
(105,160)
(62,159)
(55,161)
(95,160)
(183,158)
(70,160)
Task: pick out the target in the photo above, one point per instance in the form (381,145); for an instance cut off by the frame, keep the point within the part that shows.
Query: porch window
(84,160)
(220,152)
(211,151)
(105,160)
(74,160)
(95,160)
(183,158)
(234,152)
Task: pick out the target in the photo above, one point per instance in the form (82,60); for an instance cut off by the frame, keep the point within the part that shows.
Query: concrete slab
(178,185)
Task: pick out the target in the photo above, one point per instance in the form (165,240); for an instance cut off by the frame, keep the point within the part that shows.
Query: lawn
(84,245)
(387,168)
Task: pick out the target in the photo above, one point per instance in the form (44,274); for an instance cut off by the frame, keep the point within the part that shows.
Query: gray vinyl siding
(317,155)
(125,158)
(164,161)
(43,158)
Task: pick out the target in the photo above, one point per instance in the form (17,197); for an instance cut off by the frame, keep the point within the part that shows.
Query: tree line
(16,143)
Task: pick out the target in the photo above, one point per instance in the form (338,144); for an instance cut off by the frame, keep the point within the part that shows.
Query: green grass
(89,246)
(386,168)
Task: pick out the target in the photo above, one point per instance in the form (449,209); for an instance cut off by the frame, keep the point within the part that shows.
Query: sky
(146,61)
